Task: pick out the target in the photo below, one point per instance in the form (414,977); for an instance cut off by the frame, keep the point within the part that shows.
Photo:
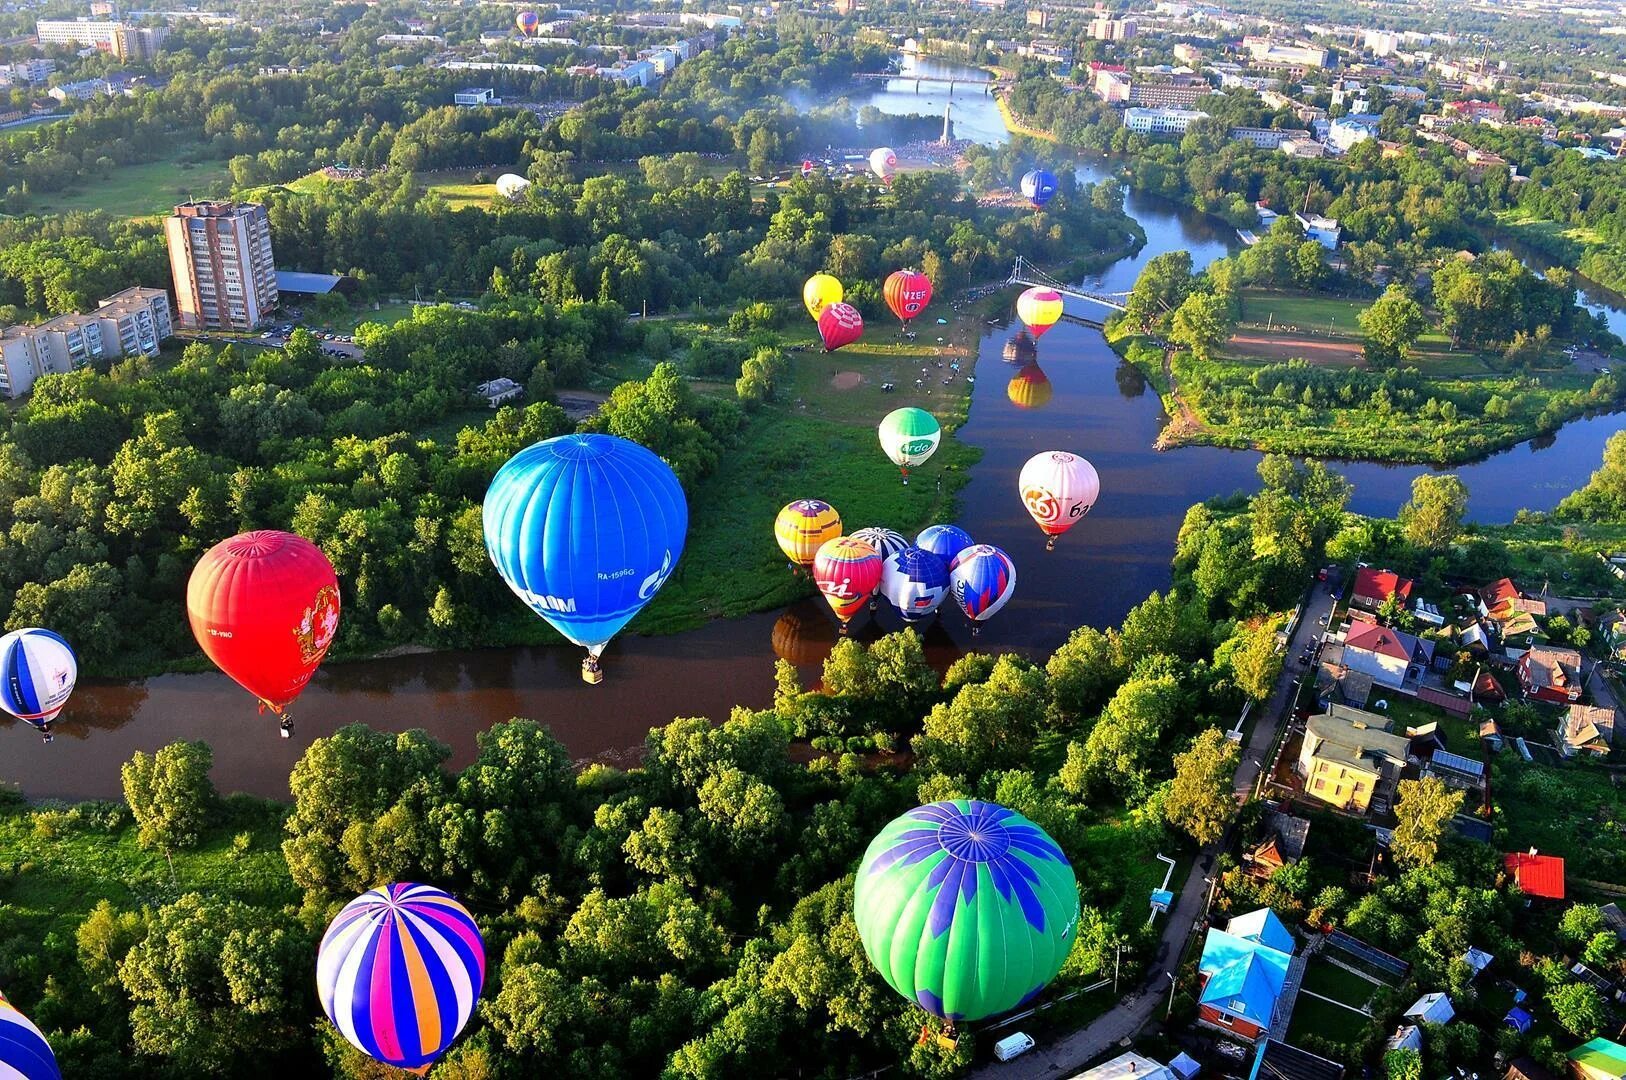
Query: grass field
(387,314)
(140,190)
(458,188)
(57,866)
(1312,1016)
(1330,980)
(1289,310)
(1573,811)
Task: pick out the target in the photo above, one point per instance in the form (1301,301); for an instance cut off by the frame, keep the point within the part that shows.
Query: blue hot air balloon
(1039,187)
(885,542)
(24,1053)
(37,673)
(944,541)
(586,529)
(915,582)
(983,579)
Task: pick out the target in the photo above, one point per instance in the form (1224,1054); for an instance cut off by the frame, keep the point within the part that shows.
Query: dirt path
(1340,351)
(1184,424)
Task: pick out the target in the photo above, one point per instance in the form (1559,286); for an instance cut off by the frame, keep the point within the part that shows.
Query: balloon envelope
(907,293)
(1030,388)
(885,542)
(24,1053)
(944,541)
(1058,489)
(910,436)
(966,908)
(983,578)
(1039,308)
(847,571)
(883,163)
(399,971)
(819,292)
(585,529)
(1039,187)
(915,582)
(527,21)
(509,185)
(37,673)
(840,324)
(803,526)
(264,607)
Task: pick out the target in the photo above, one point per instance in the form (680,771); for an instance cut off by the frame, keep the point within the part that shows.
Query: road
(1073,1052)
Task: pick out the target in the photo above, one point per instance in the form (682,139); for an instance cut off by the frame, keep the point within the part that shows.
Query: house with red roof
(1390,656)
(1373,587)
(1550,673)
(1475,110)
(1538,876)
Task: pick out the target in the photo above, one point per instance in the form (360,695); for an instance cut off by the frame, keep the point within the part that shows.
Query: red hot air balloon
(907,293)
(264,607)
(847,570)
(840,324)
(807,168)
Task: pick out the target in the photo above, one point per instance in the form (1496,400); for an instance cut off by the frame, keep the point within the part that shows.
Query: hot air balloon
(37,673)
(840,324)
(885,542)
(883,163)
(264,607)
(1058,489)
(909,436)
(511,185)
(915,582)
(944,541)
(24,1053)
(1039,308)
(1021,349)
(983,579)
(802,527)
(399,972)
(1039,187)
(907,293)
(807,169)
(1030,388)
(819,292)
(586,529)
(966,908)
(527,21)
(847,571)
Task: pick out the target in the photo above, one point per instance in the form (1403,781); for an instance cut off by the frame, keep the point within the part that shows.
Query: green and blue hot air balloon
(966,908)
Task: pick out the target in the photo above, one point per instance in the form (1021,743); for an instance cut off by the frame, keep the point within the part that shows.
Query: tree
(1579,1008)
(170,794)
(1433,517)
(1202,323)
(1424,809)
(1083,673)
(1200,801)
(1161,288)
(1403,1063)
(1394,322)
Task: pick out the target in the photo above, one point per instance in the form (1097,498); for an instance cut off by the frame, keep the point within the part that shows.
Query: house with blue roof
(1243,969)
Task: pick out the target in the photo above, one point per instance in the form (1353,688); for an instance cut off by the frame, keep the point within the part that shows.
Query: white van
(1013,1045)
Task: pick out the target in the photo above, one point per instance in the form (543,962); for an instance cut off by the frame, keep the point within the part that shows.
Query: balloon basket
(592,674)
(286,728)
(1050,544)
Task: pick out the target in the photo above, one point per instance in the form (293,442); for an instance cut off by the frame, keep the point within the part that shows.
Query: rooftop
(1356,737)
(1600,1055)
(1537,875)
(1585,724)
(1551,665)
(1380,583)
(1278,1061)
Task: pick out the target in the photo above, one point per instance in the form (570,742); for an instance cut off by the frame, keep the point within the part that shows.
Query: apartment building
(1161,121)
(124,42)
(1175,94)
(135,321)
(220,259)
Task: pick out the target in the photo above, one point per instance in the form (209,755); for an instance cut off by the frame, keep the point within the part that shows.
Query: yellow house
(1349,758)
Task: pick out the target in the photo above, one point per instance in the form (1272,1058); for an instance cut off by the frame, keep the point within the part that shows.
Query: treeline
(691,917)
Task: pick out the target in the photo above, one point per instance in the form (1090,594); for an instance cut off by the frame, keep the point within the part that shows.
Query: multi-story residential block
(135,321)
(220,259)
(1161,121)
(127,323)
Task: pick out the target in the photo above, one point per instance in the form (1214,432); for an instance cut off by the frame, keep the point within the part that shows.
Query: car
(1604,370)
(1013,1045)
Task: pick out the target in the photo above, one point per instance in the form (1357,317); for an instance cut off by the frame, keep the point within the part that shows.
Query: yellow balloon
(820,292)
(1039,308)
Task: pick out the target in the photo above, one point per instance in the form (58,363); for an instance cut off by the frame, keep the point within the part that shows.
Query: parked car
(1013,1045)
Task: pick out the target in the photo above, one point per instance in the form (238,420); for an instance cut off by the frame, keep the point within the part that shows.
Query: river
(1105,565)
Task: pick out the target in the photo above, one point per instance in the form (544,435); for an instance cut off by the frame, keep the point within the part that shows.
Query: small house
(1585,729)
(1524,1068)
(1550,673)
(1393,658)
(1373,587)
(1613,628)
(1600,1059)
(1128,1066)
(1477,960)
(1281,843)
(1432,1008)
(1614,919)
(1243,969)
(1538,876)
(1350,760)
(498,391)
(1276,1060)
(1406,1037)
(1519,1020)
(1513,613)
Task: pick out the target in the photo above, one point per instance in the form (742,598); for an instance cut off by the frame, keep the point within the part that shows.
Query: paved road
(1071,1053)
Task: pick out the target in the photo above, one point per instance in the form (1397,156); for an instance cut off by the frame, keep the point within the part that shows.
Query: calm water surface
(1105,565)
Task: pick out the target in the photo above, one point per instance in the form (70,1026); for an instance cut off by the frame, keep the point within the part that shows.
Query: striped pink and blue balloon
(399,971)
(24,1053)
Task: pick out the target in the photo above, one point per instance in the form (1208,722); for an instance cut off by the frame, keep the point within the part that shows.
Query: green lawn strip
(140,190)
(1312,1016)
(1329,980)
(1571,810)
(1305,311)
(459,187)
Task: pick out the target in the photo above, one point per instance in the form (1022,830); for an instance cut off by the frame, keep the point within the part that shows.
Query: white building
(1344,133)
(1323,230)
(1382,42)
(475,96)
(710,22)
(409,40)
(630,73)
(96,35)
(135,321)
(1302,148)
(35,69)
(1266,138)
(221,262)
(1161,121)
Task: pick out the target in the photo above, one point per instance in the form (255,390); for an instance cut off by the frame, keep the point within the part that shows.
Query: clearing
(459,187)
(141,190)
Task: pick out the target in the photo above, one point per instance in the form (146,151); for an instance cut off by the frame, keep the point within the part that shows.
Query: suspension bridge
(1026,274)
(987,85)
